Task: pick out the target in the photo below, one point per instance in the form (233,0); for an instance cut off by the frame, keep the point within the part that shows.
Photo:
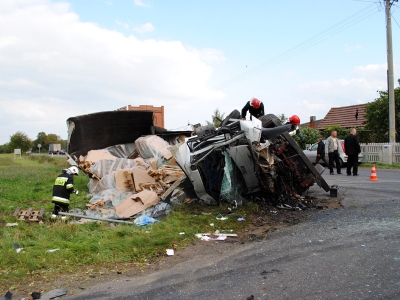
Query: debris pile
(124,187)
(241,160)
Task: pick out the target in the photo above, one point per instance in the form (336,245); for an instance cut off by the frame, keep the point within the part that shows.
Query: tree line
(20,140)
(374,130)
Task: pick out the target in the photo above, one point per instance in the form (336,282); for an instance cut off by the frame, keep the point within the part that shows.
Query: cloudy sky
(60,59)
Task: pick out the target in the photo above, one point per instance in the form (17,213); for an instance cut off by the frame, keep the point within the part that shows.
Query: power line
(323,35)
(395,21)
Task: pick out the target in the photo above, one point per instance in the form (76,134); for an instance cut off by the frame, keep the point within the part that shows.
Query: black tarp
(104,129)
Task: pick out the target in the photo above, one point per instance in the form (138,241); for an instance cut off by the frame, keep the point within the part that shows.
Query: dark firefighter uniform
(62,189)
(256,112)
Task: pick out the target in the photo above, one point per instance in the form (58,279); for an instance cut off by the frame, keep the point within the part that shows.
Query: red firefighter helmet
(295,120)
(255,103)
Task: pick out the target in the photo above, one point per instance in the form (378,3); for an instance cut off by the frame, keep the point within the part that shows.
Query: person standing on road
(62,189)
(332,144)
(255,108)
(352,149)
(320,152)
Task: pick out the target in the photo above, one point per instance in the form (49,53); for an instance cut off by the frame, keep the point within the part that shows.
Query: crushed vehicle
(245,157)
(132,164)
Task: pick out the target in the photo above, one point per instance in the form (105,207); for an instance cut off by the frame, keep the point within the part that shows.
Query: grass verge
(28,182)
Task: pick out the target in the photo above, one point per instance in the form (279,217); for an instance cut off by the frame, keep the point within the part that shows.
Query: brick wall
(157,111)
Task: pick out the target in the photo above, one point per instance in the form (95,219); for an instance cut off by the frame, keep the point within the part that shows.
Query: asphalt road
(350,253)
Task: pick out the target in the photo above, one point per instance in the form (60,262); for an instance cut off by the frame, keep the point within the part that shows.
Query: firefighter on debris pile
(295,129)
(255,108)
(62,189)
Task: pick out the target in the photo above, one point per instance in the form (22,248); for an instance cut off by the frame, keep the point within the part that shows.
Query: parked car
(311,153)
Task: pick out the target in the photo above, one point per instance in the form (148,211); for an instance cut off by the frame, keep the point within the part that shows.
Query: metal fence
(373,152)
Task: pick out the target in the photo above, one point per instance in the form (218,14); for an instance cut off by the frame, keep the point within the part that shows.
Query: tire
(233,115)
(270,121)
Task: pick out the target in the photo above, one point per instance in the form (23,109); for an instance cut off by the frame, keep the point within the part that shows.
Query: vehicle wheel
(233,115)
(270,121)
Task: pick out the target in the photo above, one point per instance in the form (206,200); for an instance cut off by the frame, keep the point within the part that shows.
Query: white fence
(373,152)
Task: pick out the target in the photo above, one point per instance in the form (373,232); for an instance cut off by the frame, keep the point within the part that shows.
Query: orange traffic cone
(373,173)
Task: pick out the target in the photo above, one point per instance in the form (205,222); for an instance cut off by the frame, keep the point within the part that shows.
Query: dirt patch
(270,218)
(267,220)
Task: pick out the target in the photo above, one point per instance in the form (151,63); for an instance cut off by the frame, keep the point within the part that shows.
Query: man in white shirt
(332,144)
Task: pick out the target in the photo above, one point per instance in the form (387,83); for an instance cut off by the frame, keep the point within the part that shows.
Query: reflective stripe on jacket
(62,189)
(56,199)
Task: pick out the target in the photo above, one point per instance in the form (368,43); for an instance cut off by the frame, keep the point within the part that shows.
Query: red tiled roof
(316,123)
(344,116)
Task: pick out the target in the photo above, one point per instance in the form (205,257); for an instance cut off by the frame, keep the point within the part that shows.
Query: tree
(341,132)
(40,139)
(216,118)
(377,115)
(5,148)
(20,140)
(282,118)
(52,138)
(310,136)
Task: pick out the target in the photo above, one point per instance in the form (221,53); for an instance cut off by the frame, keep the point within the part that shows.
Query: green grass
(28,182)
(379,165)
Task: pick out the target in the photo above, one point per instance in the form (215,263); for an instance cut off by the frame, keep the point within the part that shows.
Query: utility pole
(390,79)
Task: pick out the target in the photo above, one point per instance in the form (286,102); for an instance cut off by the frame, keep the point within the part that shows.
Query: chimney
(312,121)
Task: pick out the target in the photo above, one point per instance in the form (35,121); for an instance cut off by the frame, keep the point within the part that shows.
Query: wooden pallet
(29,215)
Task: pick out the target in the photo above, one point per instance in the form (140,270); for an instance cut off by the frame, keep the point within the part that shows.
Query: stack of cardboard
(129,186)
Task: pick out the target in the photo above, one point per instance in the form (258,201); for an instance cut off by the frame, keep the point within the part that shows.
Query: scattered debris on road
(7,296)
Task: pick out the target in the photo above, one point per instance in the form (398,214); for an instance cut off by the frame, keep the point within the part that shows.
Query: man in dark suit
(321,152)
(352,149)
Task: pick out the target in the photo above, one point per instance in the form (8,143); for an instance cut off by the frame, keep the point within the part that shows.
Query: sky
(60,59)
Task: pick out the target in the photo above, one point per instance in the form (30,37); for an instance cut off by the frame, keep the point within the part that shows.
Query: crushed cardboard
(96,155)
(141,177)
(136,203)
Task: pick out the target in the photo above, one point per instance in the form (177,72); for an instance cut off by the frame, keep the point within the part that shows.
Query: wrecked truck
(236,161)
(242,158)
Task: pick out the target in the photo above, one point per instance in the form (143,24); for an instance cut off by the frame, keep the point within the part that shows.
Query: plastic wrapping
(145,220)
(119,197)
(106,166)
(122,150)
(92,184)
(108,195)
(161,209)
(108,213)
(93,213)
(153,146)
(107,182)
(146,212)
